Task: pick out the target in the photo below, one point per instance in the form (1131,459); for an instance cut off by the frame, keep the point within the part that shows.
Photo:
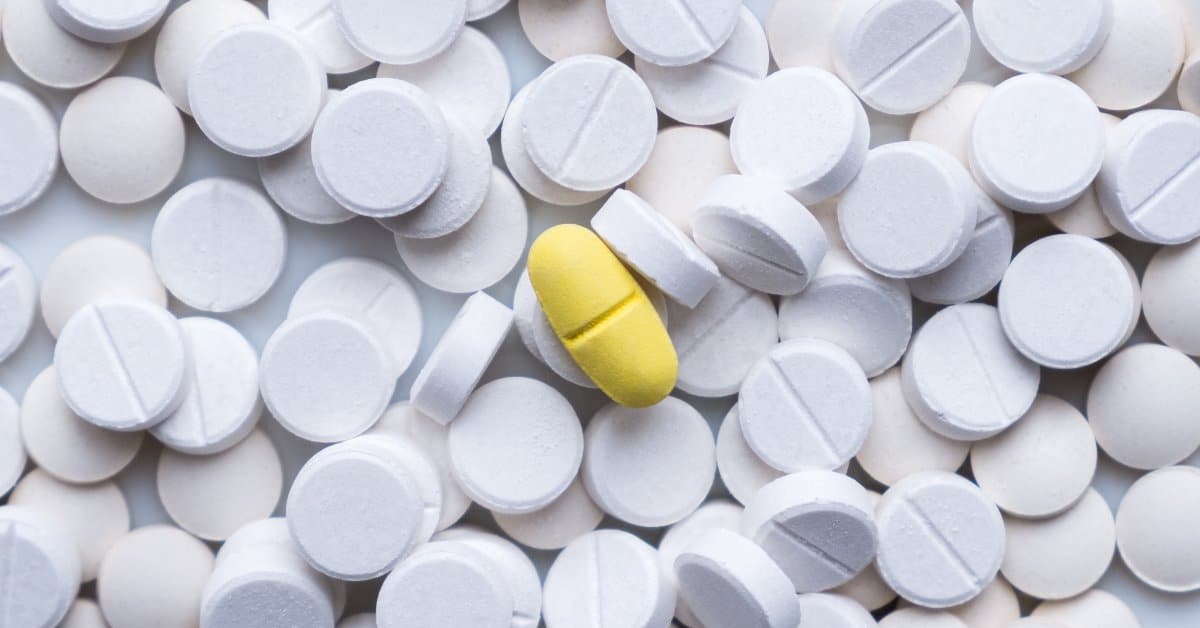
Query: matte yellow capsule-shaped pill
(602,316)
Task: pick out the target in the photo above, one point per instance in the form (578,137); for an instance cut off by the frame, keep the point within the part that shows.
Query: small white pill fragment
(982,264)
(649,466)
(461,356)
(727,580)
(826,610)
(800,32)
(444,585)
(1054,37)
(717,514)
(805,405)
(372,292)
(66,446)
(673,33)
(901,56)
(106,22)
(1067,301)
(941,540)
(469,80)
(1094,609)
(1063,556)
(1156,530)
(911,212)
(325,376)
(552,527)
(899,444)
(741,470)
(803,129)
(758,235)
(40,566)
(917,617)
(122,365)
(818,526)
(212,496)
(653,247)
(481,252)
(866,314)
(1171,296)
(1158,386)
(314,21)
(606,579)
(84,613)
(463,189)
(290,178)
(947,124)
(218,244)
(721,338)
(516,445)
(684,162)
(153,578)
(1140,58)
(1150,176)
(404,31)
(403,421)
(362,142)
(564,29)
(1042,465)
(255,89)
(962,376)
(516,567)
(709,91)
(12,450)
(48,54)
(30,150)
(18,300)
(592,147)
(184,34)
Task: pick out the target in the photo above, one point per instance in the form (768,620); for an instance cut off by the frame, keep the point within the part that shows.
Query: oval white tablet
(607,578)
(1048,36)
(444,585)
(901,56)
(1140,58)
(361,147)
(218,244)
(803,129)
(326,377)
(255,89)
(314,21)
(18,301)
(404,421)
(670,33)
(716,514)
(962,376)
(121,365)
(742,471)
(982,264)
(947,123)
(1093,608)
(552,527)
(516,445)
(372,292)
(154,577)
(400,31)
(50,55)
(184,34)
(1063,556)
(684,162)
(106,22)
(563,29)
(1156,530)
(1171,296)
(727,580)
(800,32)
(1067,301)
(30,149)
(49,568)
(290,178)
(469,80)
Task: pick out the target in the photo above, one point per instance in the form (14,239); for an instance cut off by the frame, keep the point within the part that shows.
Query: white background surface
(66,214)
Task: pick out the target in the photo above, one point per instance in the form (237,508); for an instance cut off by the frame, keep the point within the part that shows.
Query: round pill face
(1139,59)
(570,516)
(406,422)
(800,31)
(727,580)
(1067,301)
(606,578)
(291,180)
(470,590)
(947,124)
(684,162)
(1060,557)
(665,32)
(105,21)
(30,152)
(594,146)
(361,147)
(50,55)
(981,265)
(184,34)
(1093,608)
(1171,296)
(1155,529)
(742,471)
(1043,36)
(563,29)
(400,31)
(154,576)
(93,269)
(315,22)
(49,568)
(18,301)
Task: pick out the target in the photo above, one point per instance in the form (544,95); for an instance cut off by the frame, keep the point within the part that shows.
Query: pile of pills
(689,313)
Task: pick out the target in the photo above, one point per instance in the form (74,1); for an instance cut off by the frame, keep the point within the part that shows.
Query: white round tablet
(444,585)
(325,376)
(122,365)
(1094,609)
(1171,298)
(721,338)
(947,123)
(1067,301)
(516,445)
(982,264)
(941,540)
(372,292)
(18,300)
(30,150)
(362,142)
(866,314)
(1140,58)
(154,577)
(650,466)
(803,129)
(469,80)
(314,21)
(996,605)
(709,91)
(1043,36)
(255,89)
(481,252)
(184,34)
(84,613)
(1085,217)
(727,580)
(212,496)
(563,29)
(1156,529)
(1063,556)
(962,376)
(65,445)
(868,587)
(800,32)
(400,31)
(684,162)
(717,514)
(552,527)
(917,617)
(403,421)
(218,244)
(47,562)
(1157,385)
(741,470)
(106,22)
(516,567)
(901,56)
(290,178)
(1149,176)
(670,33)
(607,578)
(50,55)
(12,450)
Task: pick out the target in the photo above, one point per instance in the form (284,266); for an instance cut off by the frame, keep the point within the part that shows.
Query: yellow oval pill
(602,316)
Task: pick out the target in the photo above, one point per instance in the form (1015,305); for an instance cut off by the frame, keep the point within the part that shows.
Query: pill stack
(769,314)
